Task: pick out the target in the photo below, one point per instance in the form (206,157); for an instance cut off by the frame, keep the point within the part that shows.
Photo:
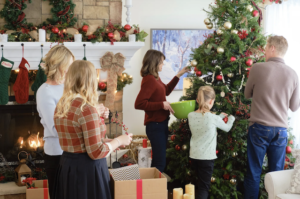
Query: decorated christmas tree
(223,61)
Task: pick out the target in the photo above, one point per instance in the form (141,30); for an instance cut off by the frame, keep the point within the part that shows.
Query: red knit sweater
(151,97)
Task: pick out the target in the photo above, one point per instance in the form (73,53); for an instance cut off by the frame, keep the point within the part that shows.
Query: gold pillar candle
(190,189)
(177,193)
(188,196)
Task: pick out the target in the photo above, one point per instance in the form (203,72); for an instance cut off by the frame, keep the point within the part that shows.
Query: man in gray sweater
(274,88)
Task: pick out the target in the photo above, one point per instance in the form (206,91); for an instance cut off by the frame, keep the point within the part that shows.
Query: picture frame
(176,45)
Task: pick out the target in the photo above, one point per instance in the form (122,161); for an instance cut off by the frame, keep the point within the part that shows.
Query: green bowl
(183,108)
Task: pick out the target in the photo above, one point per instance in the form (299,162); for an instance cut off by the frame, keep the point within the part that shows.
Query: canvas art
(176,45)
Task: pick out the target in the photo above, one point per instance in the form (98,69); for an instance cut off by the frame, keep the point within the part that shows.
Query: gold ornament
(194,63)
(227,25)
(234,31)
(220,32)
(230,75)
(209,26)
(184,147)
(233,181)
(220,50)
(250,8)
(207,21)
(222,94)
(234,154)
(212,179)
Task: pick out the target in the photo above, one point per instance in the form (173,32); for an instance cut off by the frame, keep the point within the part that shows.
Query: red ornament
(291,142)
(232,59)
(248,71)
(127,27)
(173,137)
(225,120)
(243,34)
(226,176)
(110,35)
(85,28)
(125,156)
(196,69)
(177,147)
(198,73)
(217,151)
(55,30)
(288,149)
(255,13)
(238,113)
(249,62)
(219,77)
(102,85)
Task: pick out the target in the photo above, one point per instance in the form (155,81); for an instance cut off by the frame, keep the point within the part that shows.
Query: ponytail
(205,93)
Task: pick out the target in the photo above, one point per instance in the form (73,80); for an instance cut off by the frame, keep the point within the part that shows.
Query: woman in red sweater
(152,99)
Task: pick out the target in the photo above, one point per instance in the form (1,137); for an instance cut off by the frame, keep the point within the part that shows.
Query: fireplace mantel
(32,51)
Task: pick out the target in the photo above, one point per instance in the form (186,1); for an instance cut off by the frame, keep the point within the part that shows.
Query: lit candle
(190,189)
(177,193)
(21,144)
(188,196)
(128,2)
(78,37)
(42,35)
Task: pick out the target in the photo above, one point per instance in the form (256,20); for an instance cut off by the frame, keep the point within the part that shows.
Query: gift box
(152,184)
(40,190)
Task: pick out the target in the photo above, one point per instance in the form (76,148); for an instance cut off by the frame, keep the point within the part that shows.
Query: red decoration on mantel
(85,28)
(55,30)
(127,27)
(63,12)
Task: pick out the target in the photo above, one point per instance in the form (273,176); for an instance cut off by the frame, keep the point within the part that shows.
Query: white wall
(149,14)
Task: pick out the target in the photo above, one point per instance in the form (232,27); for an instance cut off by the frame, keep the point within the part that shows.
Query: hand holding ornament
(184,70)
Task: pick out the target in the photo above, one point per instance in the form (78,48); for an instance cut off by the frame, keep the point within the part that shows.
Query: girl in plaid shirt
(78,118)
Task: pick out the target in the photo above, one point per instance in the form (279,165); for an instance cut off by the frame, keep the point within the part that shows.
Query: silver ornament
(220,32)
(230,75)
(220,50)
(194,63)
(234,31)
(250,8)
(209,26)
(227,25)
(207,21)
(222,94)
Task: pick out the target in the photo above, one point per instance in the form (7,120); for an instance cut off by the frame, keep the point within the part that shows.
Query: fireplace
(20,130)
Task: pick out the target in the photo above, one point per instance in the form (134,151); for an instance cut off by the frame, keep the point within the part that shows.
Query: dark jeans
(262,140)
(51,167)
(204,169)
(157,133)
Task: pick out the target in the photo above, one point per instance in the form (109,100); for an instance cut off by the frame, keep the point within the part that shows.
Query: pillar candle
(78,37)
(177,193)
(132,38)
(188,196)
(42,35)
(4,37)
(128,2)
(190,189)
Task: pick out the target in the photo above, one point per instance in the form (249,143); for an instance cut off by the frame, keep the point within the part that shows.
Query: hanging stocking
(5,69)
(84,58)
(41,77)
(21,86)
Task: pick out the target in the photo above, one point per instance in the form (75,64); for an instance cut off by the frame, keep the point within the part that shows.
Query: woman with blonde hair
(80,125)
(56,64)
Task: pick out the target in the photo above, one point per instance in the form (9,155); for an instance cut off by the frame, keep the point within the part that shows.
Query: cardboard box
(153,185)
(41,191)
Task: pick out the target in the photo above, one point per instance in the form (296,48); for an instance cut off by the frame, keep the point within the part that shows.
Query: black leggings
(51,166)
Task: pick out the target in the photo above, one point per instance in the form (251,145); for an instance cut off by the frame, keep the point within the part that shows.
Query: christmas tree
(223,61)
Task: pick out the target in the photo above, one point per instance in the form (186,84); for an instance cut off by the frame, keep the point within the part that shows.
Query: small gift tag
(6,64)
(27,66)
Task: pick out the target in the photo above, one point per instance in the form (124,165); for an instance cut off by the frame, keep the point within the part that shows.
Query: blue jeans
(262,140)
(157,133)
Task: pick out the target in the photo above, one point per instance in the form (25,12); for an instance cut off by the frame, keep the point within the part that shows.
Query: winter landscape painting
(177,46)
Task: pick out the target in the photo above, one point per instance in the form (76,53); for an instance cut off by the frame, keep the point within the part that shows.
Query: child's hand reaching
(224,114)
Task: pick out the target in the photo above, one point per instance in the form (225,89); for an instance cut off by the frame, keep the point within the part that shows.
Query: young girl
(203,125)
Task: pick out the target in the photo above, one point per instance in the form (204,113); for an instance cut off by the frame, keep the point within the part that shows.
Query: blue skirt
(80,177)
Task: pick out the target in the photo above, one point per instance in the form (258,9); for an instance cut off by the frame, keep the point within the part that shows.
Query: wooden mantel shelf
(32,51)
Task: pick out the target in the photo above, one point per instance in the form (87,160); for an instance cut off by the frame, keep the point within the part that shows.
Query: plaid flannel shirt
(82,131)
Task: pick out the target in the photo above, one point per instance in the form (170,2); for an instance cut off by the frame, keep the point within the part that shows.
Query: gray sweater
(274,88)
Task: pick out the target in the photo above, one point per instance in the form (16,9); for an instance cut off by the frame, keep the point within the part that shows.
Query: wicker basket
(137,140)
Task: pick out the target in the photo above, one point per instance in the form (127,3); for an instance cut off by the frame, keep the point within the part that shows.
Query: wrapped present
(38,189)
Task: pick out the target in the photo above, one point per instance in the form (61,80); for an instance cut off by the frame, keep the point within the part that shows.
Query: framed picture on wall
(176,45)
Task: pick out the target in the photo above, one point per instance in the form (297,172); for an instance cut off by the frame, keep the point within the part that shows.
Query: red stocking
(21,86)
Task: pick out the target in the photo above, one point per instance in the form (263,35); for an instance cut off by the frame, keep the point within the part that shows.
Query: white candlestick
(42,35)
(4,37)
(128,3)
(78,37)
(132,38)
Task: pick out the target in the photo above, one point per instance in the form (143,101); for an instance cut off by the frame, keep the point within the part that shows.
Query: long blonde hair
(205,93)
(57,60)
(81,79)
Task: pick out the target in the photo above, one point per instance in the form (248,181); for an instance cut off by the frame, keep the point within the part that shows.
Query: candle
(188,196)
(177,193)
(132,38)
(190,189)
(42,35)
(128,2)
(4,37)
(78,37)
(144,143)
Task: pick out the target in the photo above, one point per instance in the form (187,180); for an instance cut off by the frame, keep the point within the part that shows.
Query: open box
(152,184)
